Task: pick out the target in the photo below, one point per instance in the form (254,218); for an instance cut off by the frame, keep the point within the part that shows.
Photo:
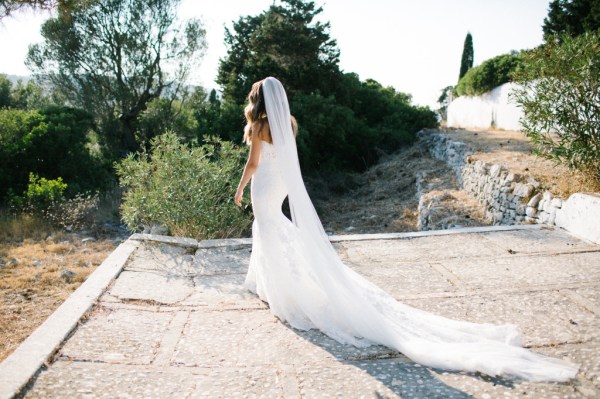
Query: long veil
(350,309)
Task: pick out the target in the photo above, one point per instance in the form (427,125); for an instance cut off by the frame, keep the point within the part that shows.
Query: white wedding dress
(295,269)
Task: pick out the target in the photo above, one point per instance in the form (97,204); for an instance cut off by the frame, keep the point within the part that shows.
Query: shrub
(42,191)
(44,199)
(350,130)
(163,114)
(560,96)
(50,142)
(74,213)
(188,190)
(491,73)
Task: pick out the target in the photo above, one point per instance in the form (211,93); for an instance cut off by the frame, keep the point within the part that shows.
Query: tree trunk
(128,135)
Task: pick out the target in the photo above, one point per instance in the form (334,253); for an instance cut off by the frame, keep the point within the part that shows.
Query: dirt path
(385,198)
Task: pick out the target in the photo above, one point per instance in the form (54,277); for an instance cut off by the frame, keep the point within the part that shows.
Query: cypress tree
(467,56)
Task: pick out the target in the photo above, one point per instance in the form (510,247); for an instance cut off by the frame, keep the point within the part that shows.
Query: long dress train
(311,288)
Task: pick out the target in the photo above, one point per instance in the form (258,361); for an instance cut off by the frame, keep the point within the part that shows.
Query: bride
(295,269)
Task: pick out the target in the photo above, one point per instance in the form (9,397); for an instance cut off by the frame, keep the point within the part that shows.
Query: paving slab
(538,241)
(414,249)
(151,286)
(231,339)
(162,258)
(485,387)
(374,379)
(543,317)
(177,322)
(524,271)
(403,278)
(217,292)
(68,380)
(222,260)
(586,354)
(118,336)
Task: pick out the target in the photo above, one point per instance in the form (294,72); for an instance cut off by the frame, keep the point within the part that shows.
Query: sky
(413,46)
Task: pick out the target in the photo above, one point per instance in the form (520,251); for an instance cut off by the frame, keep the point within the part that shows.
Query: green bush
(329,134)
(39,195)
(350,130)
(51,142)
(187,190)
(44,199)
(43,191)
(560,96)
(163,115)
(491,73)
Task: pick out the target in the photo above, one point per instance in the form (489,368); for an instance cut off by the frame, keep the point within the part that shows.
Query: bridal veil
(330,296)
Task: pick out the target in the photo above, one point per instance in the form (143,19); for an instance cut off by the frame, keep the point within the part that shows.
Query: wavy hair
(256,112)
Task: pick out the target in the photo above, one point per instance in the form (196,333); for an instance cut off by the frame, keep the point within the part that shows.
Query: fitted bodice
(267,152)
(267,189)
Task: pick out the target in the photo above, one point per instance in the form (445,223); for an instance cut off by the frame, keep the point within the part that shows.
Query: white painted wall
(494,108)
(580,215)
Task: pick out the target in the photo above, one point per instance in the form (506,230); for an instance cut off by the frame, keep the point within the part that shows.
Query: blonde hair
(256,115)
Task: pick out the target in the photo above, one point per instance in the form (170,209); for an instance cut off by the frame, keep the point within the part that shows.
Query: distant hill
(15,78)
(47,87)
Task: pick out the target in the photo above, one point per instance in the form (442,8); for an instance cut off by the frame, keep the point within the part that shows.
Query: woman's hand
(238,196)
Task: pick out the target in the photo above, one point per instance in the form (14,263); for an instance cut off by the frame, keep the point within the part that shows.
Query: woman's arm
(249,169)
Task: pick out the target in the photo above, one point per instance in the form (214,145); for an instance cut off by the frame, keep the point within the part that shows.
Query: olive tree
(560,96)
(112,57)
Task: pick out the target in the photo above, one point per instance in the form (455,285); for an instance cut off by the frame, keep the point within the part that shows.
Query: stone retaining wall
(508,198)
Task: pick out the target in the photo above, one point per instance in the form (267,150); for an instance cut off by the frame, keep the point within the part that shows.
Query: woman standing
(295,269)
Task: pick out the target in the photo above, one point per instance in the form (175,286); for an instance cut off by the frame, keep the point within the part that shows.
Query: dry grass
(382,199)
(513,151)
(33,255)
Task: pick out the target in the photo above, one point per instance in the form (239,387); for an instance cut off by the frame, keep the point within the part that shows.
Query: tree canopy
(345,123)
(283,41)
(491,73)
(112,57)
(466,62)
(571,17)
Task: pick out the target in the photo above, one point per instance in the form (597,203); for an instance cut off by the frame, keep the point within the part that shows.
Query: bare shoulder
(260,129)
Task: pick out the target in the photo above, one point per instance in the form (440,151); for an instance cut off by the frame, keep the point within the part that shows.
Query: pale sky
(414,46)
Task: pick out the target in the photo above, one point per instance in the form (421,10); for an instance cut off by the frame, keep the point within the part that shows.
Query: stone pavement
(177,324)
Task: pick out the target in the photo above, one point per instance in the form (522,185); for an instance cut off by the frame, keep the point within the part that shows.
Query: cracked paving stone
(223,292)
(208,261)
(118,336)
(150,286)
(592,294)
(537,241)
(161,258)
